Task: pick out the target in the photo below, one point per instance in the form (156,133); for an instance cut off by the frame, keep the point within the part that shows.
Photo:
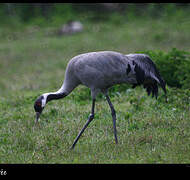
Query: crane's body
(101,70)
(97,70)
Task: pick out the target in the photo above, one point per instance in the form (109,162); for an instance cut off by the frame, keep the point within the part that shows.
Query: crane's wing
(146,73)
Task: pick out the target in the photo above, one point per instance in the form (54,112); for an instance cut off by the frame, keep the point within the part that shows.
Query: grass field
(33,61)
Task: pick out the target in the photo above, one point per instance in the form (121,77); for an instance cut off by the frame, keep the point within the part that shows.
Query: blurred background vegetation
(58,13)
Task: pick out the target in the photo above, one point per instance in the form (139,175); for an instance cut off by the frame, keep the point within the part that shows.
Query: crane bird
(101,70)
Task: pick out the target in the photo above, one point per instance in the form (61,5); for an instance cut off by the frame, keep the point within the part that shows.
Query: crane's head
(39,105)
(42,100)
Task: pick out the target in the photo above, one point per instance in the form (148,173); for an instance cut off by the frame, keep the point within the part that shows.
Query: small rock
(71,27)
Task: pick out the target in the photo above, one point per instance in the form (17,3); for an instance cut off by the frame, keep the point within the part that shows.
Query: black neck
(55,96)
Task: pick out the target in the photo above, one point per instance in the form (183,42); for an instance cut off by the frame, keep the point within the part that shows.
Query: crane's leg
(113,113)
(90,118)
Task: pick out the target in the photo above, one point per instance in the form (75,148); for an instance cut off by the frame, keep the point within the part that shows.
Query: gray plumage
(98,71)
(101,70)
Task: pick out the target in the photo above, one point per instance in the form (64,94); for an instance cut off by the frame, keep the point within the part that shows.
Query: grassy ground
(33,61)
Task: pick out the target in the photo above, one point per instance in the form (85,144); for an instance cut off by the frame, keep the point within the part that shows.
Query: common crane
(101,70)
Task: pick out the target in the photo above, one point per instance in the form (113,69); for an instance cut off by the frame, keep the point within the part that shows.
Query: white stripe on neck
(45,95)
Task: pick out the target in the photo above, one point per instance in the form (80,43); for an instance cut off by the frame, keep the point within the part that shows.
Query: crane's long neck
(61,93)
(55,95)
(70,83)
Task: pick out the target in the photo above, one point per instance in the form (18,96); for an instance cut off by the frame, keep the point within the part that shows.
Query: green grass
(33,61)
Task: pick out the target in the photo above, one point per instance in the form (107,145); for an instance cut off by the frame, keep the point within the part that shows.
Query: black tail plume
(147,74)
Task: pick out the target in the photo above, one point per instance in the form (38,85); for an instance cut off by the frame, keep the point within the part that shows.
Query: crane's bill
(37,117)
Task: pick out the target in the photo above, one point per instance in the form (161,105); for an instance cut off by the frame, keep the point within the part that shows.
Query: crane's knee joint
(91,116)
